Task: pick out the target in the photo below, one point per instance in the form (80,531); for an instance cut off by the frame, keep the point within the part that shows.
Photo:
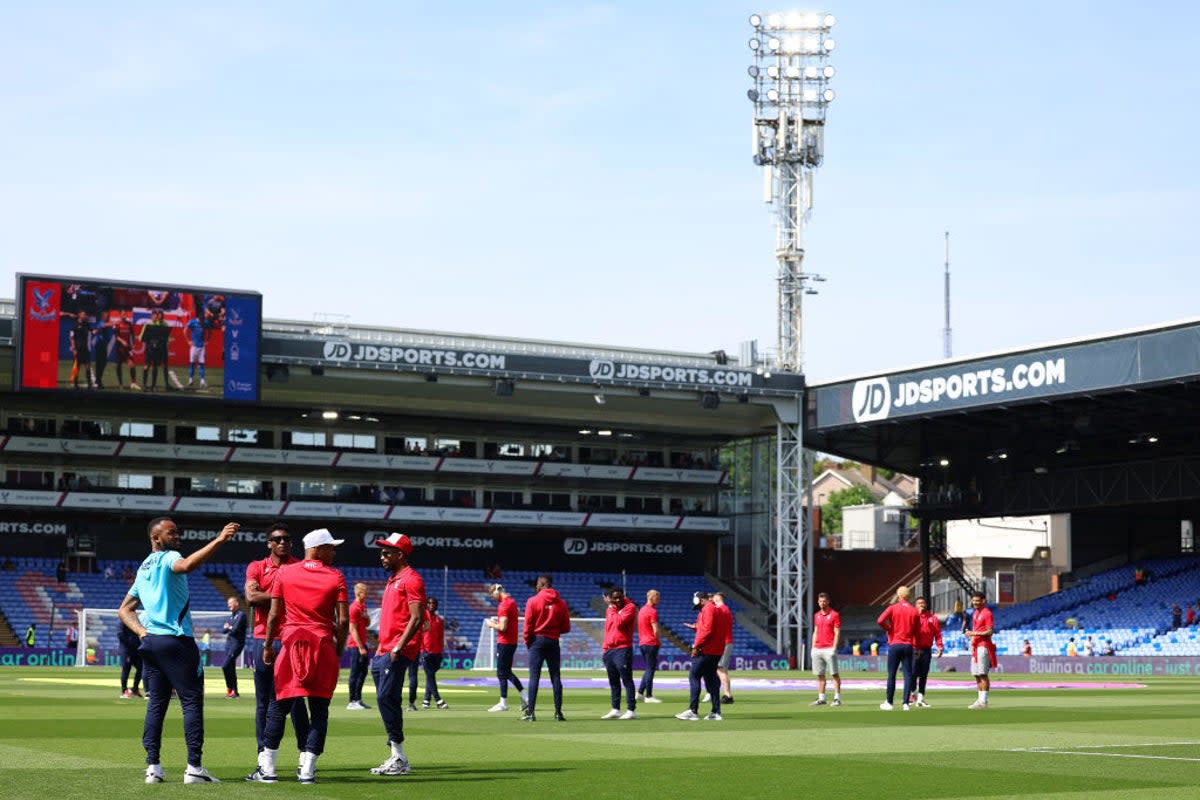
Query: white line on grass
(1112,755)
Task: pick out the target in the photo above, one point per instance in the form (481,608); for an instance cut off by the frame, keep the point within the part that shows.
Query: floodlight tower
(791,93)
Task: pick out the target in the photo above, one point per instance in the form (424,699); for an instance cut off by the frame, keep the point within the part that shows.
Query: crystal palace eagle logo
(42,310)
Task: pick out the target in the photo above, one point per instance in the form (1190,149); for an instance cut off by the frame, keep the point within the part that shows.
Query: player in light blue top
(169,653)
(197,332)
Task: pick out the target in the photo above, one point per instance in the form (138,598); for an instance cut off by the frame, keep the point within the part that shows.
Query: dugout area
(1104,429)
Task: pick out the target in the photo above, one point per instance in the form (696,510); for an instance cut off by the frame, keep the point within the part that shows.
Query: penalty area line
(1094,748)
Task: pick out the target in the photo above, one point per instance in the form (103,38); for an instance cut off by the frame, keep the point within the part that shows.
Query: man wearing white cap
(310,615)
(400,616)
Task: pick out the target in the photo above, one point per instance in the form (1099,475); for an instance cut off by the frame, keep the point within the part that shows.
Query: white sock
(837,695)
(266,760)
(504,702)
(398,750)
(983,696)
(308,764)
(525,697)
(820,695)
(920,697)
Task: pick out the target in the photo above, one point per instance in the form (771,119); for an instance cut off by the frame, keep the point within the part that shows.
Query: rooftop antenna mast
(947,336)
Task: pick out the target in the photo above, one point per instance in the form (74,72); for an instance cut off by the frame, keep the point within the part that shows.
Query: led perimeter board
(95,335)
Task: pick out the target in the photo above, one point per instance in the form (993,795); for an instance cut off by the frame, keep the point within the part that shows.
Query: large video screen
(88,335)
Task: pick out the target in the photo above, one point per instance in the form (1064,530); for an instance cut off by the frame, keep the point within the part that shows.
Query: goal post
(582,648)
(98,628)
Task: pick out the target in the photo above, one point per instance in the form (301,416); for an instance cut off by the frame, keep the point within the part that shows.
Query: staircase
(8,637)
(950,565)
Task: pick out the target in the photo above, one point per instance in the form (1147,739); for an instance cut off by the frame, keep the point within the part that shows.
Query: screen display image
(84,334)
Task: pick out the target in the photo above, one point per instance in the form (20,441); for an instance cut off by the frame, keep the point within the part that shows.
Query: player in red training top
(707,647)
(259,577)
(546,619)
(360,660)
(400,618)
(648,643)
(505,626)
(983,652)
(433,645)
(827,629)
(718,600)
(901,623)
(929,632)
(619,621)
(310,618)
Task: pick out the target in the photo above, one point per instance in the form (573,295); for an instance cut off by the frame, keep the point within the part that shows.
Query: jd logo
(602,369)
(575,547)
(871,400)
(337,351)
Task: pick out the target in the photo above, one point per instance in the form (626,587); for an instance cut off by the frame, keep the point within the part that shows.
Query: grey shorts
(824,660)
(982,663)
(726,657)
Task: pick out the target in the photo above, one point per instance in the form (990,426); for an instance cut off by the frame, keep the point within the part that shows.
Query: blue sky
(581,172)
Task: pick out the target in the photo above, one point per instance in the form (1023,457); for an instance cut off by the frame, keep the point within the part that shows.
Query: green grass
(78,740)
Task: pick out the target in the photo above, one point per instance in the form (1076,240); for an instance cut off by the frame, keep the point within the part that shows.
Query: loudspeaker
(710,400)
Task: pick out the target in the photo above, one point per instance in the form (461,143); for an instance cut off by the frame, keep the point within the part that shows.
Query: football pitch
(65,733)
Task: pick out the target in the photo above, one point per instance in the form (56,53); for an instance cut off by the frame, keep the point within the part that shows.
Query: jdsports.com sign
(413,356)
(1132,360)
(875,399)
(614,370)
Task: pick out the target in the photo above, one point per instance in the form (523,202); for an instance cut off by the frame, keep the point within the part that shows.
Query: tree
(831,512)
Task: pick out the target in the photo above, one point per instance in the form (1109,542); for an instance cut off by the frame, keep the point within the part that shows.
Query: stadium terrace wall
(117,537)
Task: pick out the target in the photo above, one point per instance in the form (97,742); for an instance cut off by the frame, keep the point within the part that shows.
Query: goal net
(98,645)
(581,648)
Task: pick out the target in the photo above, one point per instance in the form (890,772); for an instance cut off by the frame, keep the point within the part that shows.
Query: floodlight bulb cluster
(793,21)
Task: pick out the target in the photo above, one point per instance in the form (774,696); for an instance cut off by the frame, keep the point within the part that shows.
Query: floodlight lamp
(773,44)
(773,95)
(811,44)
(767,374)
(753,95)
(793,72)
(829,44)
(772,71)
(793,21)
(1152,439)
(943,462)
(775,21)
(600,398)
(810,72)
(755,44)
(329,415)
(753,71)
(829,72)
(829,21)
(756,20)
(812,21)
(829,94)
(791,44)
(810,95)
(604,433)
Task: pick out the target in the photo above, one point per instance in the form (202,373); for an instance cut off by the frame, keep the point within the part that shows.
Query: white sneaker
(707,698)
(307,771)
(154,773)
(203,385)
(258,776)
(355,706)
(817,702)
(652,699)
(886,706)
(837,701)
(978,704)
(641,698)
(198,775)
(628,715)
(442,705)
(688,715)
(612,714)
(923,704)
(904,707)
(713,717)
(393,766)
(501,706)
